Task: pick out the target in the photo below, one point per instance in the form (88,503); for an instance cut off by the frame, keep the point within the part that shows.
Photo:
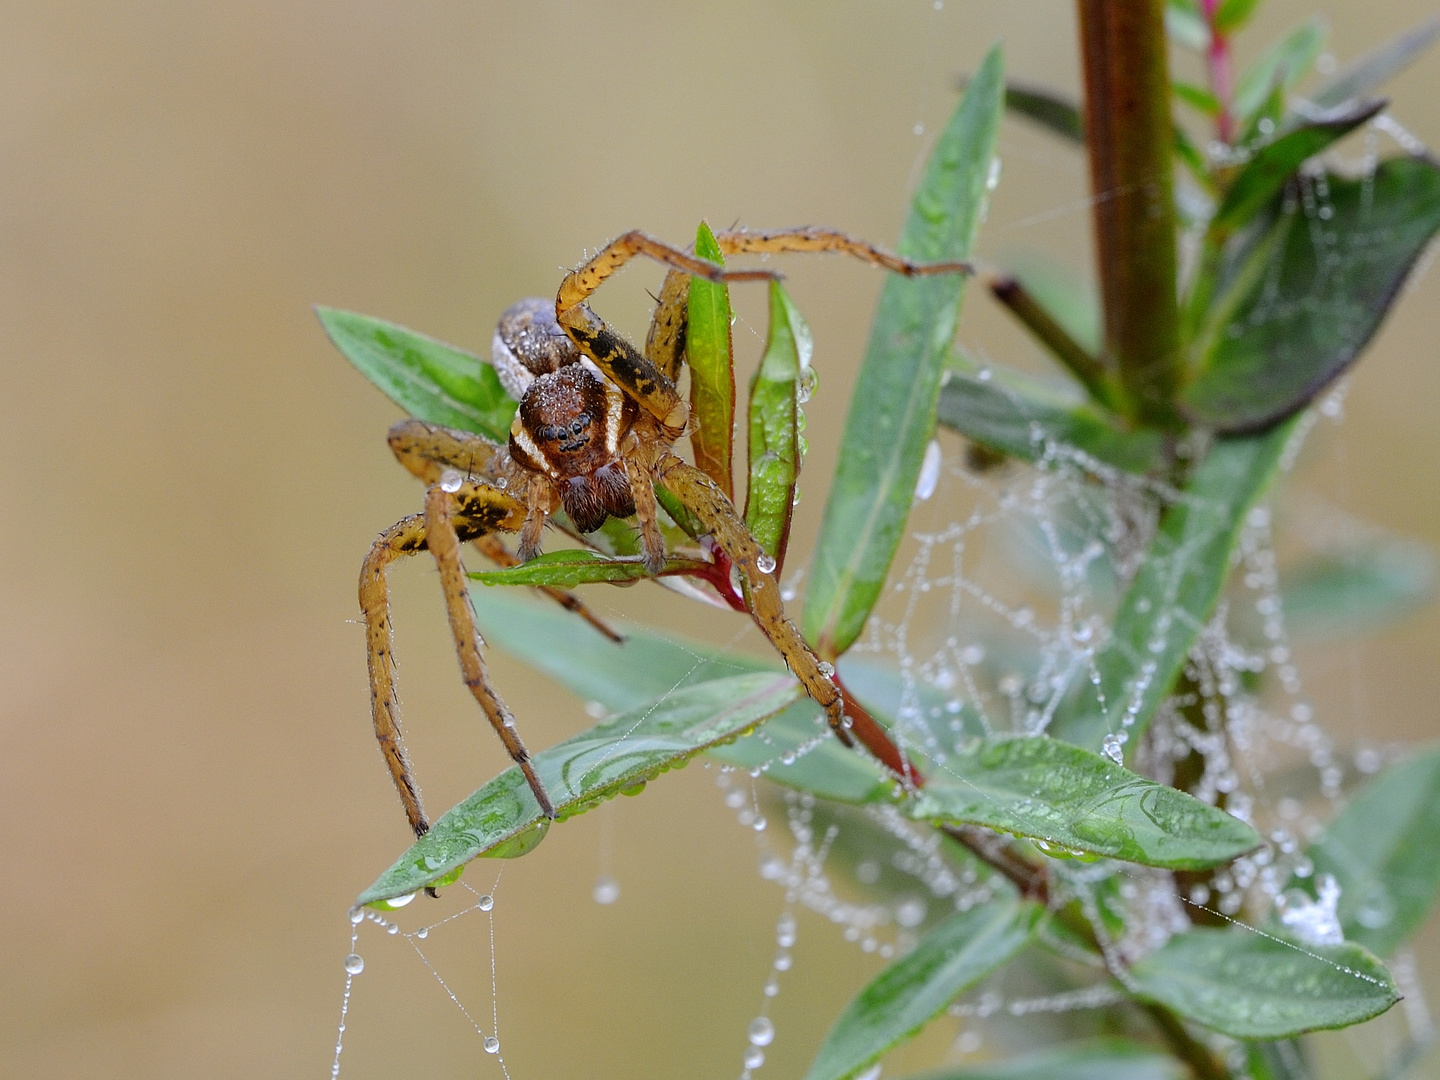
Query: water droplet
(357,915)
(399,901)
(929,477)
(607,890)
(502,483)
(783,961)
(1266,125)
(450,480)
(486,902)
(1113,748)
(492,1044)
(872,1073)
(785,931)
(910,912)
(772,986)
(392,928)
(423,933)
(826,668)
(759,824)
(992,177)
(354,963)
(765,564)
(761,1031)
(754,1057)
(919,129)
(972,655)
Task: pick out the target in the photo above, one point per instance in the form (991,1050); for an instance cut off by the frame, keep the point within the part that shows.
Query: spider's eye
(580,423)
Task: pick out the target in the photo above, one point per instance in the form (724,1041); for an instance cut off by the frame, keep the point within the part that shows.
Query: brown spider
(593,435)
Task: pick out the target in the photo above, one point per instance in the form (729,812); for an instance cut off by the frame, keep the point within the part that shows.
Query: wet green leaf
(952,957)
(1282,65)
(570,567)
(1173,594)
(579,773)
(998,413)
(1283,1059)
(1384,850)
(892,408)
(774,445)
(1197,97)
(1057,793)
(1050,109)
(1265,174)
(649,665)
(1348,592)
(1313,293)
(1254,986)
(1094,1059)
(430,380)
(712,374)
(1375,67)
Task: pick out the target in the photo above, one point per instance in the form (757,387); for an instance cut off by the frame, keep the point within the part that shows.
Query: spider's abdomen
(569,428)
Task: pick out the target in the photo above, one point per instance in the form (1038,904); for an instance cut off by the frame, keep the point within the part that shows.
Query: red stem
(1222,74)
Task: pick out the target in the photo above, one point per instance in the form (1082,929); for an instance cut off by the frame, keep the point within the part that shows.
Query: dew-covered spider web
(1000,602)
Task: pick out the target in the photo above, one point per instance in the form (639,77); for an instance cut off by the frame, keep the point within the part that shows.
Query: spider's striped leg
(441,511)
(637,375)
(702,498)
(428,449)
(809,238)
(665,342)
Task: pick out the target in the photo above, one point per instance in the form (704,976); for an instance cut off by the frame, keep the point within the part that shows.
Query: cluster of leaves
(1295,268)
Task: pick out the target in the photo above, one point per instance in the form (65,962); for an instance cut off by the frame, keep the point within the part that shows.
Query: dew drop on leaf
(761,1031)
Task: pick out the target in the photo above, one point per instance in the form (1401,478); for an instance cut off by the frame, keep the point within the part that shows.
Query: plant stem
(1089,370)
(1222,74)
(1201,1059)
(1130,134)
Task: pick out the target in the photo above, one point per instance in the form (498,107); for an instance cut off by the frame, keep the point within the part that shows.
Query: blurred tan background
(190,475)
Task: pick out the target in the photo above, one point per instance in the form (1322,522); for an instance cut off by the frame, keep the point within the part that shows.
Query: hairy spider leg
(625,365)
(427,450)
(444,544)
(717,513)
(475,511)
(808,238)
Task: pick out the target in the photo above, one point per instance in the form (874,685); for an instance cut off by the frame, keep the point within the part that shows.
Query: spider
(593,434)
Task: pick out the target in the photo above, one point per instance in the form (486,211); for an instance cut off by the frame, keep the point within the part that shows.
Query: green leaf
(430,380)
(1050,109)
(1185,24)
(1172,596)
(1197,97)
(649,665)
(1093,1059)
(1265,174)
(1283,1059)
(1313,294)
(1345,593)
(612,757)
(1282,65)
(573,566)
(712,373)
(774,445)
(1375,67)
(1057,793)
(1250,985)
(997,413)
(892,408)
(1233,14)
(954,956)
(1384,851)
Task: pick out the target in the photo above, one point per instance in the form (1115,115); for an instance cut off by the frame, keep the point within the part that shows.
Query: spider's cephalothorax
(593,433)
(572,420)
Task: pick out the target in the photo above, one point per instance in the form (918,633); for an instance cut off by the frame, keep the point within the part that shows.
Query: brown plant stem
(1201,1059)
(1088,369)
(1130,136)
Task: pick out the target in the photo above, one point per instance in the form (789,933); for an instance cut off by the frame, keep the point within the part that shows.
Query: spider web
(994,613)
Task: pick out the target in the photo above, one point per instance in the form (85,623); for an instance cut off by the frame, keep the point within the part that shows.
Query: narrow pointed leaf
(1185,25)
(1273,164)
(1250,985)
(617,755)
(1375,67)
(1173,594)
(1051,791)
(1230,15)
(1050,109)
(572,566)
(1345,593)
(1281,1059)
(1322,286)
(892,408)
(648,665)
(1282,65)
(997,413)
(1094,1059)
(1197,97)
(774,444)
(952,957)
(430,380)
(1384,851)
(712,373)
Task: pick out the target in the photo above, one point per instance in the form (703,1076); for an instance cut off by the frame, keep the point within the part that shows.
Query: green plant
(1104,840)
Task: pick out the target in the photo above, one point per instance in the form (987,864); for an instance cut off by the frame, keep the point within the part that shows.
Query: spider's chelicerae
(592,437)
